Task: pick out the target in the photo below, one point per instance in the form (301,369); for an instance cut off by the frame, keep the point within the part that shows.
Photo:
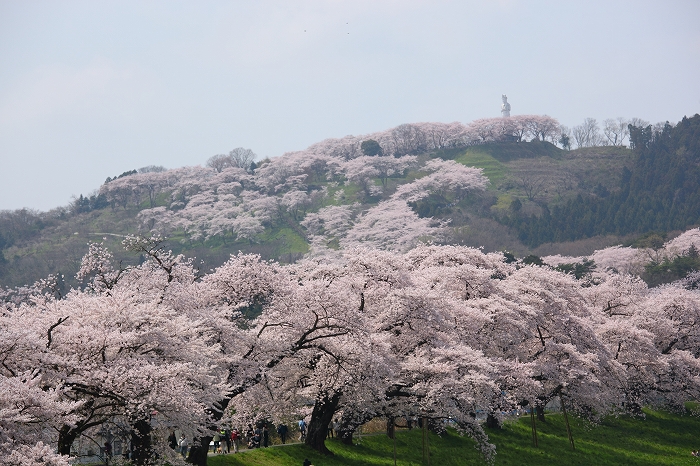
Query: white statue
(505,108)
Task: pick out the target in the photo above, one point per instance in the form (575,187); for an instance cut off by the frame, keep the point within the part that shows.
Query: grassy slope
(660,439)
(494,170)
(504,164)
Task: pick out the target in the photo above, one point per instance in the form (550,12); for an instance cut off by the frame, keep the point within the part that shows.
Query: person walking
(235,439)
(225,440)
(302,430)
(108,452)
(265,436)
(282,430)
(217,441)
(183,445)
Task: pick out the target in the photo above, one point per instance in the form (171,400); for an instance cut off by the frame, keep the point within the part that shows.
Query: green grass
(659,439)
(494,170)
(494,157)
(509,151)
(287,239)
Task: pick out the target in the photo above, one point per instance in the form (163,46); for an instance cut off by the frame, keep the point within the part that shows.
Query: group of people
(258,436)
(333,428)
(224,440)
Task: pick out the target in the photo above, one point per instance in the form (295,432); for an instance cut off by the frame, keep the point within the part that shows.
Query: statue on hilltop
(505,108)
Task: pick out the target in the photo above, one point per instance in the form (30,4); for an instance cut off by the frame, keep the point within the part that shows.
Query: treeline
(659,191)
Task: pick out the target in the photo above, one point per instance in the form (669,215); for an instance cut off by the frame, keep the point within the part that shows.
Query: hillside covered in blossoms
(503,184)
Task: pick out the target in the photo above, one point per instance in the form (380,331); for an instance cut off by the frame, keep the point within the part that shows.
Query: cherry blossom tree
(31,410)
(491,315)
(390,166)
(408,139)
(150,182)
(391,225)
(623,260)
(295,201)
(654,335)
(247,227)
(263,207)
(318,167)
(486,129)
(434,375)
(117,349)
(362,171)
(31,455)
(310,344)
(542,127)
(444,135)
(331,221)
(447,178)
(682,243)
(539,316)
(671,315)
(345,148)
(238,157)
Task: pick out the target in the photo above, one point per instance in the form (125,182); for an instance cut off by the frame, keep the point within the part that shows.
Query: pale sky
(90,89)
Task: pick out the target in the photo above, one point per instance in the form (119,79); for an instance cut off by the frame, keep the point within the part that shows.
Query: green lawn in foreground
(660,439)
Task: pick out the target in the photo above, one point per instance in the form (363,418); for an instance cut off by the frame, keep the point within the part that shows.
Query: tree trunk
(426,441)
(66,437)
(390,427)
(141,448)
(349,422)
(492,422)
(68,434)
(568,426)
(540,413)
(321,416)
(199,453)
(345,436)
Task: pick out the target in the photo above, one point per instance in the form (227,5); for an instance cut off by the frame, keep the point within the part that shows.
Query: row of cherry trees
(417,138)
(436,331)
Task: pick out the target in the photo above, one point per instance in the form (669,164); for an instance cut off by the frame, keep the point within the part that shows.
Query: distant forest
(660,191)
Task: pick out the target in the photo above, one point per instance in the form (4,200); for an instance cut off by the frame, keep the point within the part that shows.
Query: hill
(527,197)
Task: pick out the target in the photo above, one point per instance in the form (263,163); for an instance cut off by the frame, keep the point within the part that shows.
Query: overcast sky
(90,89)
